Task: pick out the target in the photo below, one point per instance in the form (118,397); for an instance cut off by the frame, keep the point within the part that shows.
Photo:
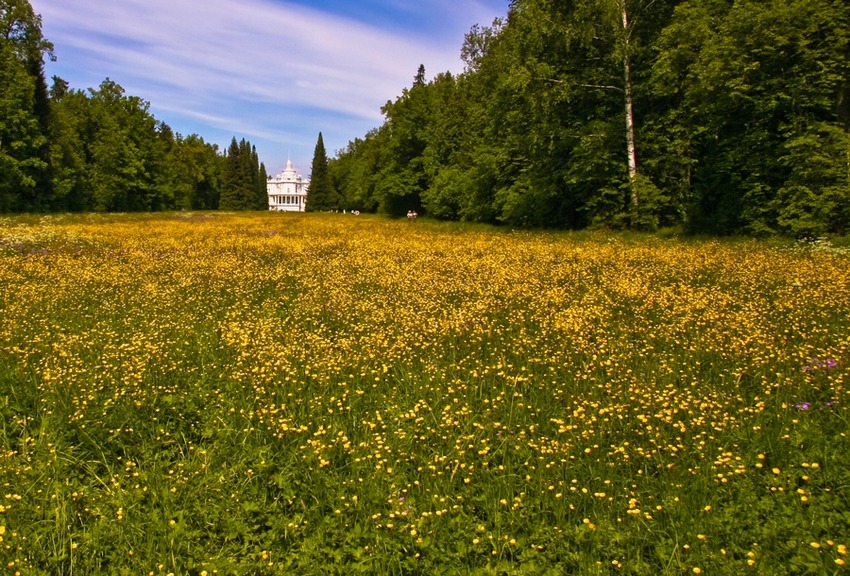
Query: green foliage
(739,113)
(109,153)
(243,179)
(426,399)
(194,169)
(448,190)
(321,195)
(21,137)
(24,114)
(357,170)
(262,186)
(404,177)
(95,150)
(815,198)
(728,103)
(768,75)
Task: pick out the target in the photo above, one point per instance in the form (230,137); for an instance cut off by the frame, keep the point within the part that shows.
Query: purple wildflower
(818,365)
(804,405)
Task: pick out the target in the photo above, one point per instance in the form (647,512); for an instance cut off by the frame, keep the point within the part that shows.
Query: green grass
(328,394)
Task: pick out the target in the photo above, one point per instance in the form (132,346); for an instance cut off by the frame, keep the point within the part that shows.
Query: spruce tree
(321,195)
(229,191)
(262,188)
(419,79)
(242,178)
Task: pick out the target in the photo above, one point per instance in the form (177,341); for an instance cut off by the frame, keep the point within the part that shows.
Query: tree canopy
(101,149)
(714,115)
(719,116)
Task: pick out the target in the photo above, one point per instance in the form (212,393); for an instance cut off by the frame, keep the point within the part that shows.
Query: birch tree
(590,63)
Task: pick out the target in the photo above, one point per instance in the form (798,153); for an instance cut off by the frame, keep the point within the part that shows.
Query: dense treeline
(102,150)
(722,116)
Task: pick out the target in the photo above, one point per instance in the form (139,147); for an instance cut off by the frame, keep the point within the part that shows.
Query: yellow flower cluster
(429,375)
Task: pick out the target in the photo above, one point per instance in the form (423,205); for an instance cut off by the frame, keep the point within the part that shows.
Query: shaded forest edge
(712,116)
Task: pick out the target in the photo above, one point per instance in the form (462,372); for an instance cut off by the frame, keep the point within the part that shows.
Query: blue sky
(272,71)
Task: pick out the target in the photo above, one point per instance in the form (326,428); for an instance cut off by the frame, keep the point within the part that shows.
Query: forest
(101,150)
(714,116)
(709,116)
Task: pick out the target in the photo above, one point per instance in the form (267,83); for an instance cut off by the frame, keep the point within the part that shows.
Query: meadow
(210,393)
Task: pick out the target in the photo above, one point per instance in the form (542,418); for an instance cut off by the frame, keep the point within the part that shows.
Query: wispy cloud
(267,70)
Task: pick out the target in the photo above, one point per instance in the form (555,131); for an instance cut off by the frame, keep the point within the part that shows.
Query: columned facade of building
(288,191)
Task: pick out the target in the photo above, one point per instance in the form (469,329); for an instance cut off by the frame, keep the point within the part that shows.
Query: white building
(288,191)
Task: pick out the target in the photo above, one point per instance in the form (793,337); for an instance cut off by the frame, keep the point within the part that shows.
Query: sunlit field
(198,394)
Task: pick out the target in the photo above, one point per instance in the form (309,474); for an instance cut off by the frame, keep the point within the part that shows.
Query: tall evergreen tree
(262,188)
(241,177)
(229,188)
(321,195)
(419,79)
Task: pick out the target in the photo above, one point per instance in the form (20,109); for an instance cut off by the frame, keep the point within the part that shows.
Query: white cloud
(251,67)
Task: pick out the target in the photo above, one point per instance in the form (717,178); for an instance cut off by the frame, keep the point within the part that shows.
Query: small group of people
(412,215)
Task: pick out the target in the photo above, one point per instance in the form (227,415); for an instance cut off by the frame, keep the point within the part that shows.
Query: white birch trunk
(630,113)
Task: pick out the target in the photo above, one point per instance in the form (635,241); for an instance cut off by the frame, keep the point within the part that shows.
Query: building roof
(289,173)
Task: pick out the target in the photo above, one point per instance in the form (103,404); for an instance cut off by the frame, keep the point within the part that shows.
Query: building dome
(288,191)
(289,174)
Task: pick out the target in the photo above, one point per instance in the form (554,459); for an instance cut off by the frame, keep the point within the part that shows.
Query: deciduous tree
(24,113)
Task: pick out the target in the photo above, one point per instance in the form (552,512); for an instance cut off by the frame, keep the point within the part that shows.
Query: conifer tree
(321,195)
(419,79)
(229,197)
(262,187)
(243,178)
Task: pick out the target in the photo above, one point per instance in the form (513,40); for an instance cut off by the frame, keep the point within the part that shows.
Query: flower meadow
(211,393)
